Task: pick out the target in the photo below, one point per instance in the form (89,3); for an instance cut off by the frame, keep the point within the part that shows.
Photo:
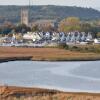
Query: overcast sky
(83,3)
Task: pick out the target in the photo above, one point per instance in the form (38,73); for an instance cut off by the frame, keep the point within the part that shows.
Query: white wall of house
(32,36)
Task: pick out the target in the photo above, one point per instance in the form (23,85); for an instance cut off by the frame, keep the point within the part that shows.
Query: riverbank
(21,93)
(45,54)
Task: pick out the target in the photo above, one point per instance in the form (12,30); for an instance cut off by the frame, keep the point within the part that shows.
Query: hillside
(12,13)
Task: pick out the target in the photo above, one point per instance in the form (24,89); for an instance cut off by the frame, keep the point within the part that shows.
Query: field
(42,54)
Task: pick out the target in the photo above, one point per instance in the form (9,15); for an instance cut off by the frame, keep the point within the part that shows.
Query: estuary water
(66,76)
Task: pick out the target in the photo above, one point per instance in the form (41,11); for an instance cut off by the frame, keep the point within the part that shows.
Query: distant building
(44,24)
(24,17)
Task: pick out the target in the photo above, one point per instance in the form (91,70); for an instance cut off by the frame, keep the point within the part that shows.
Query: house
(55,36)
(97,41)
(31,36)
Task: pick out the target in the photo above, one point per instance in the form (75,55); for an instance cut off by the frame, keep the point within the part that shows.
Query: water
(66,76)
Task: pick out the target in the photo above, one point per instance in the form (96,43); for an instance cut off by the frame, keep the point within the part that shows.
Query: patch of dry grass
(49,54)
(20,93)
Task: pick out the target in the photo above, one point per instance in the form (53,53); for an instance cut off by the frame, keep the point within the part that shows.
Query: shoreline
(31,58)
(48,60)
(8,59)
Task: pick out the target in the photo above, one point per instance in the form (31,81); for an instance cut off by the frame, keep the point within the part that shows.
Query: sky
(82,3)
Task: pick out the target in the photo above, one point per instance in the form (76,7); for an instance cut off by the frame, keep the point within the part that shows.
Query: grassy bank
(45,54)
(81,48)
(21,93)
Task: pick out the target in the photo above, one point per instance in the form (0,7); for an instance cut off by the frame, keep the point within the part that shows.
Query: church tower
(24,17)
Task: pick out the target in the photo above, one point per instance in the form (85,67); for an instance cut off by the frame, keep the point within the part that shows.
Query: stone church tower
(24,17)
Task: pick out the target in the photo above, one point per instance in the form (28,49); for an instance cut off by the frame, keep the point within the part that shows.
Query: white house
(97,41)
(32,36)
(55,36)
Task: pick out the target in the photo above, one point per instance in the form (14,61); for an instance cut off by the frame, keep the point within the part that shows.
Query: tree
(6,27)
(85,27)
(0,30)
(22,28)
(72,21)
(88,27)
(35,28)
(98,34)
(69,24)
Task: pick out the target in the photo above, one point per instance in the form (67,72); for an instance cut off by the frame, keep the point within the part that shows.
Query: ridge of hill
(12,13)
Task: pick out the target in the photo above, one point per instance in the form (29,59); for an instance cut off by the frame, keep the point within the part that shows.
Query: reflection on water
(69,76)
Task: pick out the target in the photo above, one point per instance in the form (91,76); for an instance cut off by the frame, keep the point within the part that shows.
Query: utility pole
(29,10)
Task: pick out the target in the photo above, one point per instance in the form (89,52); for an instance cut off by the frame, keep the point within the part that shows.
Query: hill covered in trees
(12,13)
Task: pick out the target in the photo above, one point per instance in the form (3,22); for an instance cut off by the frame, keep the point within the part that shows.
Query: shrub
(63,46)
(75,48)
